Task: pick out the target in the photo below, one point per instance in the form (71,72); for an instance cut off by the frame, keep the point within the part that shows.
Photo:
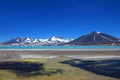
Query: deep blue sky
(66,18)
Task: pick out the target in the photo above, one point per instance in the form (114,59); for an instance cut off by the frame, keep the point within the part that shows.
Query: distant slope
(95,38)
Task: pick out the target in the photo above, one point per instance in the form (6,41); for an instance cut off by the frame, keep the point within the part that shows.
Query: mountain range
(93,38)
(28,41)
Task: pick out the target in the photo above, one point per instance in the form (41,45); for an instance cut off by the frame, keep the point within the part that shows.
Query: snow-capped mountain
(95,38)
(28,41)
(58,39)
(52,41)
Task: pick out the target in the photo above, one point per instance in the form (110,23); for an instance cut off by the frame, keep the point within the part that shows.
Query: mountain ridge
(93,38)
(28,41)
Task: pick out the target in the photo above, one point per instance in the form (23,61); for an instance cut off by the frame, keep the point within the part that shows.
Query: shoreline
(16,54)
(59,49)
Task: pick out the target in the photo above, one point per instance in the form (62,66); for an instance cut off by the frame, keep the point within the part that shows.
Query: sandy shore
(6,55)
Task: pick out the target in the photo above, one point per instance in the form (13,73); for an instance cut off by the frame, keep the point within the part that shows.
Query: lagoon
(59,47)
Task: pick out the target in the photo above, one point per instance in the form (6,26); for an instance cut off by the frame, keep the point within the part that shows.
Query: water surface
(59,47)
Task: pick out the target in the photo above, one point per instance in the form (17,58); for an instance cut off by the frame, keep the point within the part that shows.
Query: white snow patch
(106,38)
(97,32)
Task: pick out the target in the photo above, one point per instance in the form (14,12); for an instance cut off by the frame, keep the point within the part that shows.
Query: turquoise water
(59,47)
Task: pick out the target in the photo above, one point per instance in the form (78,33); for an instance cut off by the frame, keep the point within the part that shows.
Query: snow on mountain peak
(59,39)
(54,38)
(28,41)
(97,32)
(35,40)
(43,40)
(18,39)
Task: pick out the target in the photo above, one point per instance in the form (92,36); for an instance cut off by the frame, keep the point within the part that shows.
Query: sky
(62,18)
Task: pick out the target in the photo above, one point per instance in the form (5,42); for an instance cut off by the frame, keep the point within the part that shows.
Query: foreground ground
(59,68)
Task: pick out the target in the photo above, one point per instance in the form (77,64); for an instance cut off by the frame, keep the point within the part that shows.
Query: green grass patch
(54,70)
